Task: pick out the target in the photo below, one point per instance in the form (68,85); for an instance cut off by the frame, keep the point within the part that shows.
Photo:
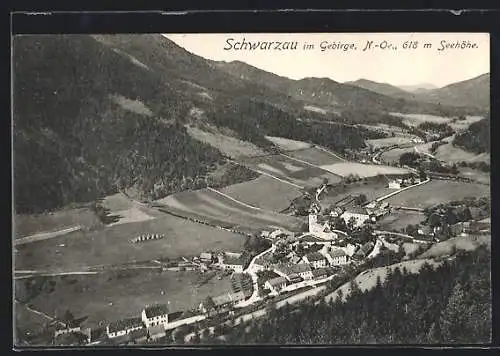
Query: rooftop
(125,324)
(338,253)
(315,256)
(277,281)
(228,297)
(356,210)
(156,310)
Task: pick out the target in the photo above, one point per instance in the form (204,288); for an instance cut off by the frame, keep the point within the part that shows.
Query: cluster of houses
(151,325)
(403,182)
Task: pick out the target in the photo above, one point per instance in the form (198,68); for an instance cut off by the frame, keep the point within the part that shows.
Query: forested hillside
(477,137)
(451,304)
(72,143)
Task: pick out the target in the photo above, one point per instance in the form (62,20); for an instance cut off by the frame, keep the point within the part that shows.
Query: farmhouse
(321,273)
(155,315)
(123,327)
(359,216)
(228,299)
(275,285)
(315,259)
(232,263)
(394,184)
(320,229)
(294,272)
(364,250)
(140,336)
(338,257)
(70,327)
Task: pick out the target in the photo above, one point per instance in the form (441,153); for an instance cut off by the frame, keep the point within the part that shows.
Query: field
(400,219)
(450,153)
(228,145)
(290,170)
(389,141)
(26,225)
(208,205)
(363,170)
(437,192)
(445,248)
(115,295)
(315,156)
(111,245)
(264,192)
(475,174)
(372,191)
(288,145)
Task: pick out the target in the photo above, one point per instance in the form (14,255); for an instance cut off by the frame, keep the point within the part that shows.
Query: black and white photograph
(251,189)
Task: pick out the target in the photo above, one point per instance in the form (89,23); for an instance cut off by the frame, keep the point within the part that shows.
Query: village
(286,261)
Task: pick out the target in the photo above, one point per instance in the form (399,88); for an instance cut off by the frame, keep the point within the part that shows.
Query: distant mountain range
(418,87)
(474,93)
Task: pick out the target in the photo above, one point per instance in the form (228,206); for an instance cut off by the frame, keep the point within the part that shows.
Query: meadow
(437,192)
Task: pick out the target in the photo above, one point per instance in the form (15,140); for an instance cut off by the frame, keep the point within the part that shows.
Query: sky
(402,66)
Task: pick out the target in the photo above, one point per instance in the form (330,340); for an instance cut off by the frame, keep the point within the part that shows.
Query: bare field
(264,192)
(363,170)
(78,250)
(228,145)
(400,219)
(475,174)
(287,144)
(210,206)
(26,225)
(111,296)
(290,170)
(314,156)
(436,192)
(445,248)
(372,191)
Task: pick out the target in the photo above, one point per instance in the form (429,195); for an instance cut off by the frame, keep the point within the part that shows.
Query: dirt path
(233,199)
(45,235)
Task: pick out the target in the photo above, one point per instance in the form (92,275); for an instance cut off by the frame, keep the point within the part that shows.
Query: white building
(394,185)
(315,259)
(155,315)
(275,285)
(360,216)
(123,327)
(232,263)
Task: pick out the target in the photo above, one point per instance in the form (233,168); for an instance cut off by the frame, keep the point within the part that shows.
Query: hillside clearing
(314,156)
(228,145)
(368,279)
(445,248)
(287,144)
(450,153)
